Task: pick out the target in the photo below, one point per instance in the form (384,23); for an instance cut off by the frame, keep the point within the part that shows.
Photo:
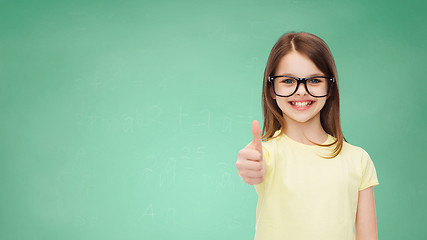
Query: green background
(123,119)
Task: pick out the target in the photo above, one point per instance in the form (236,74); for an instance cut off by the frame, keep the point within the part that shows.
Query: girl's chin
(299,117)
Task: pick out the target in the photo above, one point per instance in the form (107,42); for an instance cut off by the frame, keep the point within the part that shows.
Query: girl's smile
(301,105)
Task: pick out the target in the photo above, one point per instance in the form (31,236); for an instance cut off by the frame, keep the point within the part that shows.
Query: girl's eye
(289,80)
(315,81)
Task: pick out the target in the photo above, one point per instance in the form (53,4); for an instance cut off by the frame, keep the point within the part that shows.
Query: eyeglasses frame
(301,80)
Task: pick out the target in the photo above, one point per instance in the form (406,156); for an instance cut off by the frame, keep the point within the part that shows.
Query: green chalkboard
(123,119)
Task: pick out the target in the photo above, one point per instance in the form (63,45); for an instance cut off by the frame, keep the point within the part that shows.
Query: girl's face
(297,65)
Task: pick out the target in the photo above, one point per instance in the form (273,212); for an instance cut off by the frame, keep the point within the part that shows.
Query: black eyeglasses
(286,86)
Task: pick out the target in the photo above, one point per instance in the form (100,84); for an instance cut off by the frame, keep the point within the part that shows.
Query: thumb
(256,132)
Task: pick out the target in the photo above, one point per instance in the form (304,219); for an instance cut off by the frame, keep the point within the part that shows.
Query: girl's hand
(250,164)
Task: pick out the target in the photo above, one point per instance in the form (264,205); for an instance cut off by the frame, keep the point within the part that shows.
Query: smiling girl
(311,183)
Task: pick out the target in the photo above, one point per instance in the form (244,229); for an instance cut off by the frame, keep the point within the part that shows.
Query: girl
(311,183)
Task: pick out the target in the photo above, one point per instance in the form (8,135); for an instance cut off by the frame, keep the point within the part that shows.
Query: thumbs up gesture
(250,164)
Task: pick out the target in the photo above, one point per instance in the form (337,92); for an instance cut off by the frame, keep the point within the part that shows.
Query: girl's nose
(301,89)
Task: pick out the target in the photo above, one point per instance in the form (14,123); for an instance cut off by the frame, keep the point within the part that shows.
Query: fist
(250,164)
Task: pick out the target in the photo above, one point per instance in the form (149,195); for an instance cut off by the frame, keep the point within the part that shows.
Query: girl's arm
(366,217)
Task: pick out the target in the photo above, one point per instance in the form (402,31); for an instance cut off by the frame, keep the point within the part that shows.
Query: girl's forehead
(296,64)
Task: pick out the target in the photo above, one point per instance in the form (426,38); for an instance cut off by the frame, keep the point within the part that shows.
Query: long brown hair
(317,51)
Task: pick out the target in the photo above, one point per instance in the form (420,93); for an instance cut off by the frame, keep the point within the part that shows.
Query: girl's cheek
(283,105)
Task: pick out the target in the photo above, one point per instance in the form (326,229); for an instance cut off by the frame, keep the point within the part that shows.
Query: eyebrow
(290,74)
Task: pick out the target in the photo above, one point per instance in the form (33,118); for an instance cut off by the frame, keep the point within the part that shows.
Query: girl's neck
(312,129)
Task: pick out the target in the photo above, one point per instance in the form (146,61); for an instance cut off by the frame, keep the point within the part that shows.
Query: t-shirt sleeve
(369,174)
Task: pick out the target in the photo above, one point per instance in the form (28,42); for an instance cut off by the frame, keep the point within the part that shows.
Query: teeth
(301,104)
